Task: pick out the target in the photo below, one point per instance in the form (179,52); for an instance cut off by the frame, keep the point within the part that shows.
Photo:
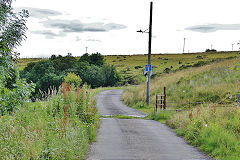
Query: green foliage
(73,79)
(90,69)
(62,64)
(13,91)
(51,129)
(43,74)
(98,76)
(95,59)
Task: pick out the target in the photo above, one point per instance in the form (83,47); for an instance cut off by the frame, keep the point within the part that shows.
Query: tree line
(91,69)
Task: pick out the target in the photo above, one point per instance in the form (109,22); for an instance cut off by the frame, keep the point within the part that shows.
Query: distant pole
(211,46)
(149,54)
(232,46)
(184,39)
(86,49)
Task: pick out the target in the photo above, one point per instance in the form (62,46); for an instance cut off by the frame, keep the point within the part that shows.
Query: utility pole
(86,49)
(149,55)
(184,39)
(232,46)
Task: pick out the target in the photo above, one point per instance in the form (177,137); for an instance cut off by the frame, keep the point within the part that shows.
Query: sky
(109,26)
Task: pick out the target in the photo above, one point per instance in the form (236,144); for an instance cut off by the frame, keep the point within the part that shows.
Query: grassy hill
(214,130)
(132,66)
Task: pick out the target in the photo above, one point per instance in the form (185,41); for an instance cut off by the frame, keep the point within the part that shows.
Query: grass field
(22,62)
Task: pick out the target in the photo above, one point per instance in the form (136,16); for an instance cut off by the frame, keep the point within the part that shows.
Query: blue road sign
(148,68)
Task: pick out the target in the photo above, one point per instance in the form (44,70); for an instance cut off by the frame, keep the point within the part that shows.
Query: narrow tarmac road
(135,139)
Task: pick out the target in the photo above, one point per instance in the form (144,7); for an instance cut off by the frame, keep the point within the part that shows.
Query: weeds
(216,132)
(61,127)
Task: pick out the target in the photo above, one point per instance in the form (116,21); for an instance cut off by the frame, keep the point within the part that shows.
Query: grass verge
(61,127)
(215,131)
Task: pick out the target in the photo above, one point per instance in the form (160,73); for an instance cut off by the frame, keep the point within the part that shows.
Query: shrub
(73,79)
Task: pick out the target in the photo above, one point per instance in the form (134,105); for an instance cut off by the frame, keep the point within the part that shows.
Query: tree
(73,79)
(210,50)
(111,76)
(95,59)
(64,64)
(43,74)
(13,90)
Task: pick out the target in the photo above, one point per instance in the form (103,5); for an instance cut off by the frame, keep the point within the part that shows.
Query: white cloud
(117,22)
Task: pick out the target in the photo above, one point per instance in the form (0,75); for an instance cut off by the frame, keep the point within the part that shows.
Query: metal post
(149,55)
(184,44)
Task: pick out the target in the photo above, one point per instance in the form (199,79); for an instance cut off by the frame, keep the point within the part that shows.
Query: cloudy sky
(109,26)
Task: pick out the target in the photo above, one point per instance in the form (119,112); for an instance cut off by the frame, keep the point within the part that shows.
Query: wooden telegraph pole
(149,55)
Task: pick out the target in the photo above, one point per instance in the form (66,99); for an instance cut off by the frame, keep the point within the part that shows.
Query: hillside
(131,66)
(215,130)
(215,82)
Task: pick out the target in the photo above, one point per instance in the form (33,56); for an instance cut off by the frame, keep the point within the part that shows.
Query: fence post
(164,100)
(156,103)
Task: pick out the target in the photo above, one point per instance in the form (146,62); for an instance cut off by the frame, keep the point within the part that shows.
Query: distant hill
(131,67)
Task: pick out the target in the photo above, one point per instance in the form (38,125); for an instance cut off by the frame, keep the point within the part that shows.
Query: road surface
(135,139)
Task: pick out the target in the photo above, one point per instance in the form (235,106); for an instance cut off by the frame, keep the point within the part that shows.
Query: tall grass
(211,83)
(214,131)
(61,127)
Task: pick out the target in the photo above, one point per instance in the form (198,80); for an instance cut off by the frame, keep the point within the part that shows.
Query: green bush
(73,79)
(43,74)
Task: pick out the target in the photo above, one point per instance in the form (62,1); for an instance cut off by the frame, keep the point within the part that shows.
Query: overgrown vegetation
(214,130)
(61,127)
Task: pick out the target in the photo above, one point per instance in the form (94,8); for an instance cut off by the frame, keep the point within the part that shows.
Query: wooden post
(161,101)
(164,100)
(156,103)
